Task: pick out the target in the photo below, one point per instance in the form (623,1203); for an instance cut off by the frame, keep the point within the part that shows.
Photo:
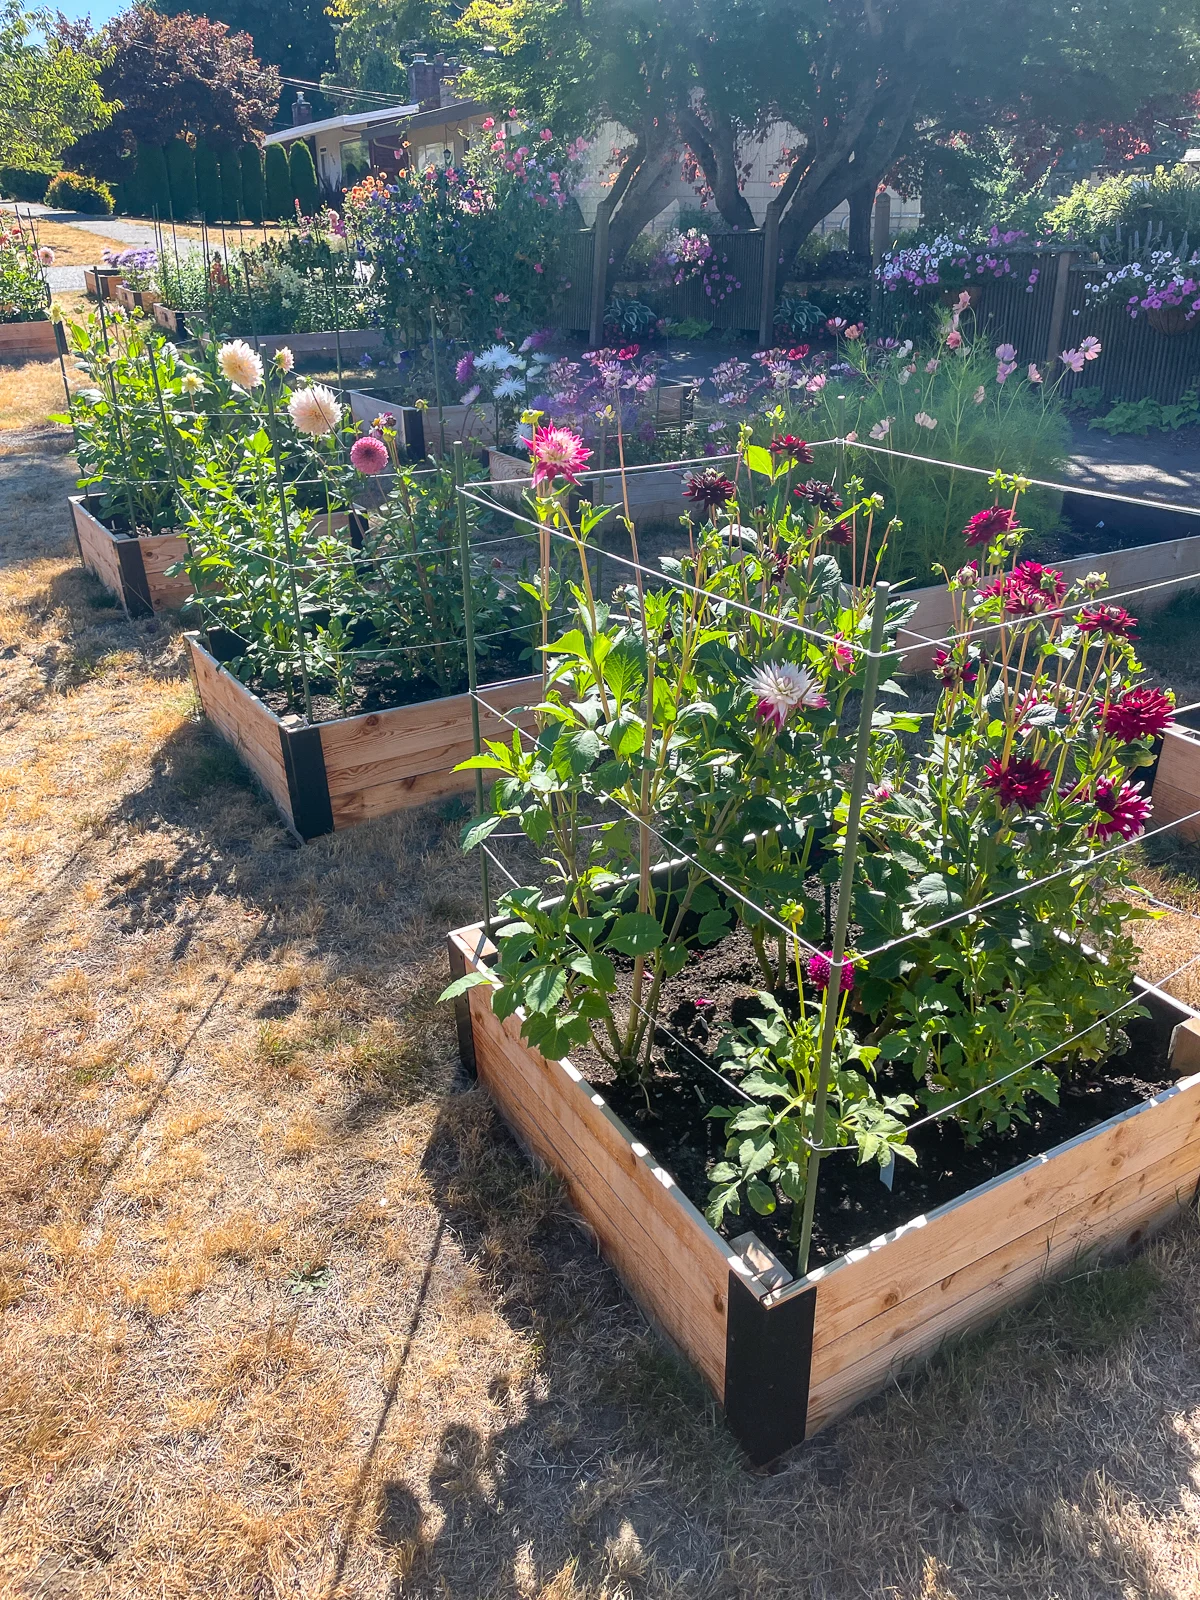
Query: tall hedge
(304,177)
(253,193)
(154,188)
(231,187)
(208,183)
(278,182)
(181,179)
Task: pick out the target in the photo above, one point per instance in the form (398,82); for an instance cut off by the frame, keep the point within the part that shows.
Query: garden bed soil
(327,776)
(786,1356)
(31,341)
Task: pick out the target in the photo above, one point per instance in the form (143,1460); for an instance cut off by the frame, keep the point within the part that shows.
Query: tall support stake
(437,383)
(841,923)
(464,563)
(839,476)
(288,553)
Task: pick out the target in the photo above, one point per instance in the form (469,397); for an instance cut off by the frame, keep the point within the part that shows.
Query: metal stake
(842,921)
(464,562)
(437,384)
(287,550)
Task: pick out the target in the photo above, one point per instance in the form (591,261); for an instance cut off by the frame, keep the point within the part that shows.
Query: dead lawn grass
(72,246)
(287,1314)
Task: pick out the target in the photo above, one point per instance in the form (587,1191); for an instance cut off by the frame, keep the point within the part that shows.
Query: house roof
(366,121)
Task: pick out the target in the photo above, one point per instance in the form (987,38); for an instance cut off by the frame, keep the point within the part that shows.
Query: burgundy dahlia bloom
(821,495)
(1114,620)
(1028,589)
(710,488)
(793,450)
(1018,783)
(989,524)
(1124,811)
(820,970)
(954,672)
(1138,714)
(369,455)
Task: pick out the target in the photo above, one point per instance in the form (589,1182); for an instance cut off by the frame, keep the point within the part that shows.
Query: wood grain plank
(97,548)
(1177,783)
(159,552)
(250,727)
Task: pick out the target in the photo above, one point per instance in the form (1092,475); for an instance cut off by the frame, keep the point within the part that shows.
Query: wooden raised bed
(173,321)
(1174,780)
(333,775)
(99,282)
(135,570)
(787,1356)
(143,300)
(31,341)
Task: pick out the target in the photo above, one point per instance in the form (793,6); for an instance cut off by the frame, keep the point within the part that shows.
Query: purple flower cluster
(1164,279)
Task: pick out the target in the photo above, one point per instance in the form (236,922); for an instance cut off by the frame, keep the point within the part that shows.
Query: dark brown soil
(853,1205)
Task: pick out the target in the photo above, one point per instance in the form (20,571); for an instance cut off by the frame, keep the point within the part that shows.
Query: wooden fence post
(599,271)
(770,268)
(1058,308)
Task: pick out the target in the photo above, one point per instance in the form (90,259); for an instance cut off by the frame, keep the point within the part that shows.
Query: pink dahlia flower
(557,453)
(1138,714)
(1020,783)
(369,456)
(820,970)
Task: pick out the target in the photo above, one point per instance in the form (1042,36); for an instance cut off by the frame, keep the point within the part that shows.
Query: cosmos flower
(820,969)
(557,453)
(781,687)
(46,256)
(315,410)
(980,395)
(792,450)
(1124,811)
(710,488)
(1138,714)
(1074,359)
(924,420)
(989,524)
(1020,783)
(1006,354)
(471,395)
(1090,348)
(1113,620)
(953,339)
(1033,374)
(239,364)
(369,456)
(882,428)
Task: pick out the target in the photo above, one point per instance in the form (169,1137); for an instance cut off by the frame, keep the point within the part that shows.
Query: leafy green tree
(278,181)
(181,178)
(304,177)
(231,186)
(208,183)
(50,94)
(252,183)
(297,36)
(377,38)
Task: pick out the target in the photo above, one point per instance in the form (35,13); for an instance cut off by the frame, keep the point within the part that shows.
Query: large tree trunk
(644,185)
(714,145)
(862,205)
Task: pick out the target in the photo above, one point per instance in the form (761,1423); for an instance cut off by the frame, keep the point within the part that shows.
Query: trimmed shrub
(278,182)
(208,183)
(304,177)
(253,193)
(181,179)
(74,191)
(231,187)
(24,183)
(155,191)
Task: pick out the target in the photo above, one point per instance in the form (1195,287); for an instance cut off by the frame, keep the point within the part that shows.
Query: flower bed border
(785,1358)
(32,341)
(132,569)
(99,282)
(328,776)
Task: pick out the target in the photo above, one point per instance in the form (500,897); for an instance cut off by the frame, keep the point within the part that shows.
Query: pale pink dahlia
(781,687)
(369,456)
(557,453)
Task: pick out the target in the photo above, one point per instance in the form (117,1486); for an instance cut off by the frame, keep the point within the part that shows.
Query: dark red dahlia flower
(1124,811)
(989,524)
(1018,783)
(1138,714)
(793,450)
(1114,620)
(953,672)
(710,488)
(821,495)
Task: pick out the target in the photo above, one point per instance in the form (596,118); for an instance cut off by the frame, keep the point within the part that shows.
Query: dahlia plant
(23,293)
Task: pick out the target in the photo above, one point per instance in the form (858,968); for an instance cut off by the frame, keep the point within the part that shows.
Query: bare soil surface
(287,1313)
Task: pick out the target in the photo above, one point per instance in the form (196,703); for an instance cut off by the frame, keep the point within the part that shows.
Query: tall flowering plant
(1024,795)
(23,295)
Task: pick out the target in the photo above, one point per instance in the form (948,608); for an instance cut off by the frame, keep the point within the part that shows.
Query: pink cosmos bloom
(953,339)
(1005,371)
(545,136)
(538,267)
(1005,353)
(1074,359)
(1020,783)
(820,970)
(854,331)
(835,325)
(1090,347)
(556,453)
(924,420)
(882,428)
(932,365)
(816,383)
(962,303)
(1033,374)
(781,687)
(1123,811)
(501,299)
(368,456)
(979,396)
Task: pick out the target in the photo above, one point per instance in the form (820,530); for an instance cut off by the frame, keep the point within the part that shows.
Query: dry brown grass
(285,1313)
(73,247)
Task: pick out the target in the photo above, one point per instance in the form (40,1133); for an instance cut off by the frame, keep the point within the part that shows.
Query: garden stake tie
(842,922)
(464,562)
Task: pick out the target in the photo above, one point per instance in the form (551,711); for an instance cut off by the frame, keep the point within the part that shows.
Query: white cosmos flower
(924,420)
(882,429)
(240,364)
(780,687)
(315,410)
(509,388)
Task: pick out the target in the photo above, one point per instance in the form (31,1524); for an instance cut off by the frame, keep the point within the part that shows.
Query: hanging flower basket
(1172,319)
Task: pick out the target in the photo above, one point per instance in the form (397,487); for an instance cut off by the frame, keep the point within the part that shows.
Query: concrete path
(130,233)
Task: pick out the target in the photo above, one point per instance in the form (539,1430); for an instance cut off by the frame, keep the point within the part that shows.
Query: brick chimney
(424,81)
(301,110)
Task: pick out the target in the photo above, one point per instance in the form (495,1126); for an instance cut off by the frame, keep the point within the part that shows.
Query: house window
(356,161)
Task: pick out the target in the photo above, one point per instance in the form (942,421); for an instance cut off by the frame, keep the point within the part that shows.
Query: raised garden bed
(787,1356)
(99,282)
(143,300)
(173,321)
(31,341)
(135,569)
(333,775)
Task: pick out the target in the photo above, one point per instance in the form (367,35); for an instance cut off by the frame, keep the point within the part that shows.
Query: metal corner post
(464,562)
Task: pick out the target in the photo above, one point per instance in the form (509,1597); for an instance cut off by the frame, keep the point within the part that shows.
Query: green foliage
(1141,416)
(1124,204)
(294,35)
(49,93)
(154,186)
(231,186)
(303,177)
(252,183)
(25,183)
(22,286)
(208,183)
(181,180)
(798,316)
(629,318)
(277,200)
(75,191)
